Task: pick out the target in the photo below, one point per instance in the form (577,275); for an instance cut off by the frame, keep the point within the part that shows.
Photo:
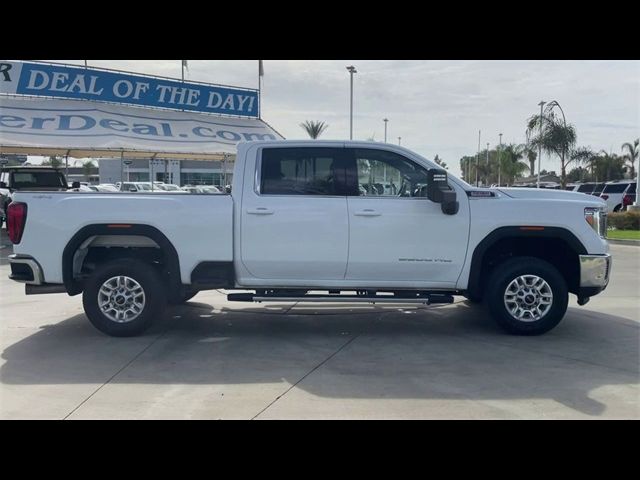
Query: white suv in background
(613,194)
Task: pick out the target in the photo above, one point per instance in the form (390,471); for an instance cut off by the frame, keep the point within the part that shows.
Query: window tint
(387,174)
(598,188)
(301,171)
(37,179)
(587,187)
(632,188)
(615,188)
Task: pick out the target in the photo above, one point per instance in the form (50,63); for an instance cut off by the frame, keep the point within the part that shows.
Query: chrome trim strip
(38,277)
(595,270)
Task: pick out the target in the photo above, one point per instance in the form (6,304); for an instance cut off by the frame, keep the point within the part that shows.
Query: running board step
(425,299)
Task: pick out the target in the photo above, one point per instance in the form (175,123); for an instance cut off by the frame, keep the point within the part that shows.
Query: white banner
(85,125)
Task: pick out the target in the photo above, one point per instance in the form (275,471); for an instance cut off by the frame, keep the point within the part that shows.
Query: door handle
(260,211)
(367,212)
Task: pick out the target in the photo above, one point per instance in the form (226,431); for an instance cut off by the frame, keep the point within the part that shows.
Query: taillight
(627,200)
(604,197)
(16,219)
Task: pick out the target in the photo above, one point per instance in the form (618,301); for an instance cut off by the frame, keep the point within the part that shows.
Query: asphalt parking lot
(212,359)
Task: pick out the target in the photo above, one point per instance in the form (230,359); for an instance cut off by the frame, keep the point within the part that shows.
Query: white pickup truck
(318,221)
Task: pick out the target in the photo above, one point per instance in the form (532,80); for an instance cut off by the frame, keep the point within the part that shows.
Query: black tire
(513,268)
(473,298)
(154,296)
(617,208)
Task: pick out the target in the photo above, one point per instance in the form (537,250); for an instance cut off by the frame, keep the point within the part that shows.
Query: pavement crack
(305,376)
(115,375)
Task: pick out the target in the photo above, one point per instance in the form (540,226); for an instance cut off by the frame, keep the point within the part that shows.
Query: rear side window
(23,180)
(301,171)
(615,188)
(632,188)
(587,187)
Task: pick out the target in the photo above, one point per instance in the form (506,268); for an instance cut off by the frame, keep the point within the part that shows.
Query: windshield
(143,186)
(38,180)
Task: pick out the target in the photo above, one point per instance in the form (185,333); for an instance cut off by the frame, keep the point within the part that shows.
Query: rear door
(294,215)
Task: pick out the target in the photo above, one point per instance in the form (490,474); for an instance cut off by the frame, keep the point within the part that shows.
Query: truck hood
(550,194)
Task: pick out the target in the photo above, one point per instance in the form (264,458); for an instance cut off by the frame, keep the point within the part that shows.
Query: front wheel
(123,297)
(527,296)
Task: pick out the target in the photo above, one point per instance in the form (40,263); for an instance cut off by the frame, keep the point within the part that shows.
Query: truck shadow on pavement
(349,352)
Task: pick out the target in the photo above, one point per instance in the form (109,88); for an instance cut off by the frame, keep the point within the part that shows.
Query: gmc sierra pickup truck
(316,221)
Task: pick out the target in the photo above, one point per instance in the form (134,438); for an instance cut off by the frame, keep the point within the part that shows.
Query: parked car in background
(103,188)
(629,196)
(201,189)
(597,190)
(613,193)
(586,188)
(135,187)
(33,179)
(168,187)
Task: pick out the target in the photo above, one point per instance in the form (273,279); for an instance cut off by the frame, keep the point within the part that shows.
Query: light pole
(499,159)
(385,120)
(478,158)
(351,70)
(487,177)
(399,139)
(550,107)
(540,142)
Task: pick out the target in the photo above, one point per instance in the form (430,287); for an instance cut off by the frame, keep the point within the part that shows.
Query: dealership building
(179,172)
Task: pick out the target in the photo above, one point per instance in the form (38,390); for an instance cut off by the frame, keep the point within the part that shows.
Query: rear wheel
(123,297)
(527,296)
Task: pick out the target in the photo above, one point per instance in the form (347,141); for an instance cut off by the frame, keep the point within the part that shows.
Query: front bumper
(25,269)
(595,271)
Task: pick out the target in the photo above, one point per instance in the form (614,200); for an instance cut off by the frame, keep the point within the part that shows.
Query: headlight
(597,218)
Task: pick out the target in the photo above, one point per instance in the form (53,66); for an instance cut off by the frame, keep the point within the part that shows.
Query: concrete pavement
(214,359)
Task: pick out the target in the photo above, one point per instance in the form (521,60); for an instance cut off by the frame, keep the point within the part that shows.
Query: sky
(436,107)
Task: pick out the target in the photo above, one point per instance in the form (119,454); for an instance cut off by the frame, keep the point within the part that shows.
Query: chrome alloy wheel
(121,299)
(528,298)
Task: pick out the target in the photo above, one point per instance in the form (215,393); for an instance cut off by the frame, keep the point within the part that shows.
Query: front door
(294,219)
(397,235)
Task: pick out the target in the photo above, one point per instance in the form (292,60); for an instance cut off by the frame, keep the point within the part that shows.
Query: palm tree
(87,169)
(54,161)
(632,154)
(441,162)
(314,129)
(510,165)
(605,166)
(556,138)
(531,154)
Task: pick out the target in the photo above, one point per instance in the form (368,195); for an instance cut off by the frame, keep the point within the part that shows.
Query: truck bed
(198,226)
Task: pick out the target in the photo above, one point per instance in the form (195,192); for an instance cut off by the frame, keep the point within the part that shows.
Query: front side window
(387,174)
(301,171)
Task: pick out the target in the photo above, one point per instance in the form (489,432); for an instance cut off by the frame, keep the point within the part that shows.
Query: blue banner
(25,78)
